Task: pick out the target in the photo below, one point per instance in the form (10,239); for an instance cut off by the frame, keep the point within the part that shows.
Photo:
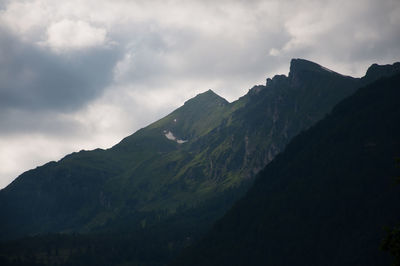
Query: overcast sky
(84,74)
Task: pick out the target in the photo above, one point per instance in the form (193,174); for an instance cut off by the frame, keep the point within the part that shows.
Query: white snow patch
(169,135)
(175,120)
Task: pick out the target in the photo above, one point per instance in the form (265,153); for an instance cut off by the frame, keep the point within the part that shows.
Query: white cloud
(26,18)
(68,34)
(274,52)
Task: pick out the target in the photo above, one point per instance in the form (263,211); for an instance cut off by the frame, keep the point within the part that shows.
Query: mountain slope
(220,144)
(325,199)
(178,175)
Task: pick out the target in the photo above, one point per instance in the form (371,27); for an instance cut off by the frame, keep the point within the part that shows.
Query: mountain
(326,199)
(172,179)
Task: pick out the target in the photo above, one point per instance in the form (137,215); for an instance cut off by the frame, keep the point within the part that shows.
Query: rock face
(376,71)
(149,176)
(323,201)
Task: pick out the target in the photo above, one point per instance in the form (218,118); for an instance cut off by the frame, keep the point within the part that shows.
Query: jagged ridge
(326,199)
(148,177)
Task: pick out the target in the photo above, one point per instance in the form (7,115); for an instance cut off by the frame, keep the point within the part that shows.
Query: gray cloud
(31,78)
(35,122)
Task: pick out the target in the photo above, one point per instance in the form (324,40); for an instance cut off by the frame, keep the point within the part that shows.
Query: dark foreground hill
(326,199)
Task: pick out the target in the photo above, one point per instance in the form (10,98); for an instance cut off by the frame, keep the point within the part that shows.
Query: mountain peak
(376,71)
(208,97)
(208,93)
(303,64)
(298,65)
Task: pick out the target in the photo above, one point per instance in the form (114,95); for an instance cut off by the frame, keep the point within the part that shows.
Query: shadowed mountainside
(326,199)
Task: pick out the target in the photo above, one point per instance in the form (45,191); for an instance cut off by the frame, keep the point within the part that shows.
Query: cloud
(84,74)
(346,35)
(68,34)
(32,78)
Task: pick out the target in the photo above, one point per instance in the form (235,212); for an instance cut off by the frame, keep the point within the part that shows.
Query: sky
(84,74)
